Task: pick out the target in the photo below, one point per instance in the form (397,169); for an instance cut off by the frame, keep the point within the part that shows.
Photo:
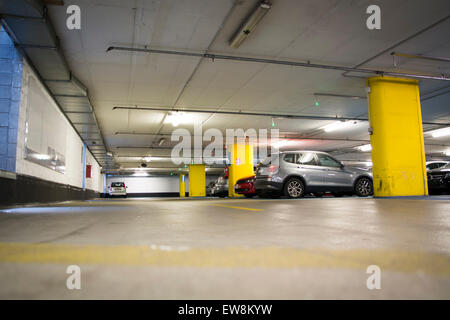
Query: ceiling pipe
(399,43)
(277,62)
(420,56)
(339,96)
(272,115)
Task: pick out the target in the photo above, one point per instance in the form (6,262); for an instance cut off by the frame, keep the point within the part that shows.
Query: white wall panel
(73,143)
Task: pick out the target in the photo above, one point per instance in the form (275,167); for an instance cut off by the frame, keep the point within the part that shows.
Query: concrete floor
(224,249)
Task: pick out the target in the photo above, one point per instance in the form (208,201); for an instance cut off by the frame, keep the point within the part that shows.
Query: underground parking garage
(224,150)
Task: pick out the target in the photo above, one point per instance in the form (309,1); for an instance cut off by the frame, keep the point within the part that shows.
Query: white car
(435,164)
(118,189)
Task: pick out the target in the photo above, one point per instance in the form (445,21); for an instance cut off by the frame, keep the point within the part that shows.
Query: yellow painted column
(182,185)
(197,180)
(241,165)
(398,153)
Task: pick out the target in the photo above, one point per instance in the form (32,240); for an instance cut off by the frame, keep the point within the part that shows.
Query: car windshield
(117,184)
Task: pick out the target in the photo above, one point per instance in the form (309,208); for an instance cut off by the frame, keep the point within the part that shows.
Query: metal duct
(29,26)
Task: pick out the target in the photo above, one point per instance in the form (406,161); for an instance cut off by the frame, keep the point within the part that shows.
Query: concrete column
(241,165)
(182,185)
(197,180)
(398,154)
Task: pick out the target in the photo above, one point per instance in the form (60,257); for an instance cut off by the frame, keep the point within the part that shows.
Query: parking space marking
(235,207)
(234,257)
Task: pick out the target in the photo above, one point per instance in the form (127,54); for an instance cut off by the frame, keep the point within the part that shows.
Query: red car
(246,186)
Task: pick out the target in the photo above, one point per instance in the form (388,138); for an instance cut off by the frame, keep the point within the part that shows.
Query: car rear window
(117,184)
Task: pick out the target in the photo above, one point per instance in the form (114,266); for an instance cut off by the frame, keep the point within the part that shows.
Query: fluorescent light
(440,132)
(282,143)
(177,118)
(250,24)
(447,153)
(140,174)
(365,148)
(338,125)
(42,156)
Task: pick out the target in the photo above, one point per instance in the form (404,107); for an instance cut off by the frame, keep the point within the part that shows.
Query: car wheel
(294,188)
(364,187)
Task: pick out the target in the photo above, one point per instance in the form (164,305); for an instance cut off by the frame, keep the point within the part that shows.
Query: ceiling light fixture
(282,143)
(365,148)
(250,23)
(175,118)
(338,125)
(440,132)
(447,153)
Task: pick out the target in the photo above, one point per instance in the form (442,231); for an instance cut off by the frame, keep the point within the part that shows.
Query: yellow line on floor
(235,207)
(265,257)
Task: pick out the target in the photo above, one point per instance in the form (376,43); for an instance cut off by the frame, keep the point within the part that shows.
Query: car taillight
(273,168)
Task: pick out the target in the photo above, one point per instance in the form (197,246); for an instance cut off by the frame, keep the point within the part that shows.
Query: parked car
(439,180)
(246,186)
(117,189)
(209,188)
(435,164)
(220,188)
(296,173)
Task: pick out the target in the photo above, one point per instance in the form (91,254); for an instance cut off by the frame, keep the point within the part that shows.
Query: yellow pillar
(241,165)
(182,185)
(197,180)
(398,154)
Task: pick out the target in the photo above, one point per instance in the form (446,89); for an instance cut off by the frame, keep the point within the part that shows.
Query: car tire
(248,195)
(294,188)
(364,187)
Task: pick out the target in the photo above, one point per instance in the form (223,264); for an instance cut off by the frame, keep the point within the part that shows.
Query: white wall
(73,144)
(152,184)
(149,184)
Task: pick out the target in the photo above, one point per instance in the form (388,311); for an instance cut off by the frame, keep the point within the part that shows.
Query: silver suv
(295,173)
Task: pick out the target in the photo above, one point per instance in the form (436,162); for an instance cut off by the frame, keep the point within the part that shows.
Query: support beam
(398,153)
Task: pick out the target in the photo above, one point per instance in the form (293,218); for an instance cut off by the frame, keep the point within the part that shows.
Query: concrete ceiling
(326,31)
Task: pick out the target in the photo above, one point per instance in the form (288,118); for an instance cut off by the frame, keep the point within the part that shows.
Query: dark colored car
(246,186)
(439,180)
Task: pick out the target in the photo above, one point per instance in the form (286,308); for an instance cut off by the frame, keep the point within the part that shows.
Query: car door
(336,176)
(309,169)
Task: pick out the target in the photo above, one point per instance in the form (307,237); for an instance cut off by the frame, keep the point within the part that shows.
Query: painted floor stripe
(235,207)
(265,257)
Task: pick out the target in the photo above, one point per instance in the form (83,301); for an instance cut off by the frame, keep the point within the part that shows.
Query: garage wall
(10,84)
(153,185)
(73,145)
(41,126)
